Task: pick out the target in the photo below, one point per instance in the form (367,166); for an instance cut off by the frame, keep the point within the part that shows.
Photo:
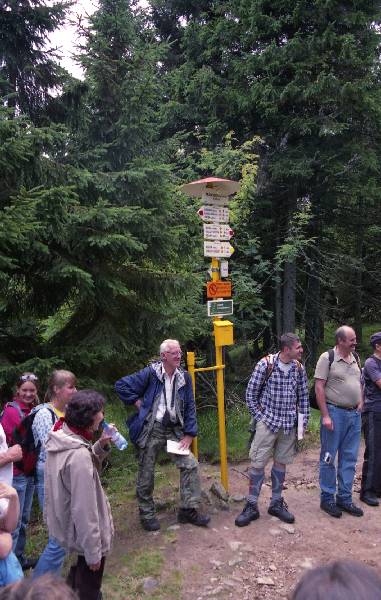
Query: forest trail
(261,561)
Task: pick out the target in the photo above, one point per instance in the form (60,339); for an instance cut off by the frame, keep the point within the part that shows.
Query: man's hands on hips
(185,442)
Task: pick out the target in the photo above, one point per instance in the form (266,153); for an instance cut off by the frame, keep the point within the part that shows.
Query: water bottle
(116,437)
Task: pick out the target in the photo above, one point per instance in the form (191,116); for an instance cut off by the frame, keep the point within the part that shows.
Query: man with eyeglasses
(163,396)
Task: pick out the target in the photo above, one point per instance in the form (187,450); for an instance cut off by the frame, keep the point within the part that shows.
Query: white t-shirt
(169,383)
(6,472)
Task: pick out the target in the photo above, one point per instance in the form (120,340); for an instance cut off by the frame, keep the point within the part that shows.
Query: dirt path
(261,561)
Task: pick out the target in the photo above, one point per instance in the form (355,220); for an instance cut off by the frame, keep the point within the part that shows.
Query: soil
(262,560)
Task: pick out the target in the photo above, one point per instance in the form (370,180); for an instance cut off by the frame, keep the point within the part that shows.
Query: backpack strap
(357,357)
(16,405)
(331,356)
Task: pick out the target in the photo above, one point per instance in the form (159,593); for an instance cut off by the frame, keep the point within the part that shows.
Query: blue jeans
(51,560)
(10,570)
(39,482)
(343,441)
(53,556)
(25,488)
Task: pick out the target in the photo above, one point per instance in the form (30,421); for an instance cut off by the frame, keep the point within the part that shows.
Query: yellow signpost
(215,193)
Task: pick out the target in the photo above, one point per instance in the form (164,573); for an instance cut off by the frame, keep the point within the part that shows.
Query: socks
(256,479)
(277,480)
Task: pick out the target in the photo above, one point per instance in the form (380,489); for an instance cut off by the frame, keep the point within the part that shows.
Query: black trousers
(371,470)
(84,581)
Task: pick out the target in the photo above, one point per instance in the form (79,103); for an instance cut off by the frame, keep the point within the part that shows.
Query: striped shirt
(281,397)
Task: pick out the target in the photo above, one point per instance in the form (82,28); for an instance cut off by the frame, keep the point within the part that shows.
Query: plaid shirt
(281,397)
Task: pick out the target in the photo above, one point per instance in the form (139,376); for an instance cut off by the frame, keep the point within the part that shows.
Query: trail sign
(224,268)
(220,308)
(217,231)
(216,214)
(219,289)
(210,198)
(217,249)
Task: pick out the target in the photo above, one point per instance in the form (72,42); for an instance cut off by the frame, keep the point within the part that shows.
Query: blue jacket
(146,385)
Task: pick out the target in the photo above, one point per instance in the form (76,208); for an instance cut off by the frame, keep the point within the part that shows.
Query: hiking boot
(249,513)
(279,509)
(351,508)
(331,509)
(192,516)
(150,524)
(369,499)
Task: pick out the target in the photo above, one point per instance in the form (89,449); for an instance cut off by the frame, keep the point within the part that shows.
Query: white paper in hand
(300,426)
(174,448)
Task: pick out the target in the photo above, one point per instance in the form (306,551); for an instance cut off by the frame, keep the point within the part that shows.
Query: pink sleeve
(9,420)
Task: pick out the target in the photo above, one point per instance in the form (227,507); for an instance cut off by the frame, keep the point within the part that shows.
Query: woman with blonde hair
(61,388)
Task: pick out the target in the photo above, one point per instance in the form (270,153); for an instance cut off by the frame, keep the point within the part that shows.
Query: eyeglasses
(29,377)
(174,352)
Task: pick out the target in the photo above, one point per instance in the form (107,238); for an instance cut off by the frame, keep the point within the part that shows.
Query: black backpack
(331,356)
(23,435)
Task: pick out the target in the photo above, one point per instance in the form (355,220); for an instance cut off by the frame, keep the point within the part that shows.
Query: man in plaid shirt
(276,393)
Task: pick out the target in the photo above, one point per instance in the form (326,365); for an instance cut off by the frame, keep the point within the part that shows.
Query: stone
(219,491)
(307,563)
(235,561)
(311,486)
(233,545)
(215,591)
(287,527)
(265,581)
(272,568)
(274,532)
(216,563)
(238,498)
(149,584)
(173,527)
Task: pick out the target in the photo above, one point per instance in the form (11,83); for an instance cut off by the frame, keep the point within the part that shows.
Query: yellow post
(191,370)
(215,267)
(221,418)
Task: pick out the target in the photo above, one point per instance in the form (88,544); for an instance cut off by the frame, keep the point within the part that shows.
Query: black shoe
(150,524)
(331,509)
(369,499)
(351,508)
(249,513)
(279,509)
(192,516)
(28,563)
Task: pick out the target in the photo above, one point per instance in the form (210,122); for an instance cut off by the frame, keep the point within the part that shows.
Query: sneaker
(331,508)
(150,524)
(279,509)
(369,499)
(249,513)
(351,508)
(192,516)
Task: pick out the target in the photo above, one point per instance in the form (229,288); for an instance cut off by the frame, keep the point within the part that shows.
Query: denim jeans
(10,570)
(39,482)
(343,441)
(25,488)
(53,556)
(51,560)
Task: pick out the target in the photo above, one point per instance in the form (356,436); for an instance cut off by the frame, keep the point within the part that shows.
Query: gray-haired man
(163,396)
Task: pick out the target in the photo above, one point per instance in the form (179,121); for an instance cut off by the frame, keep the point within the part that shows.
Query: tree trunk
(313,312)
(359,275)
(289,283)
